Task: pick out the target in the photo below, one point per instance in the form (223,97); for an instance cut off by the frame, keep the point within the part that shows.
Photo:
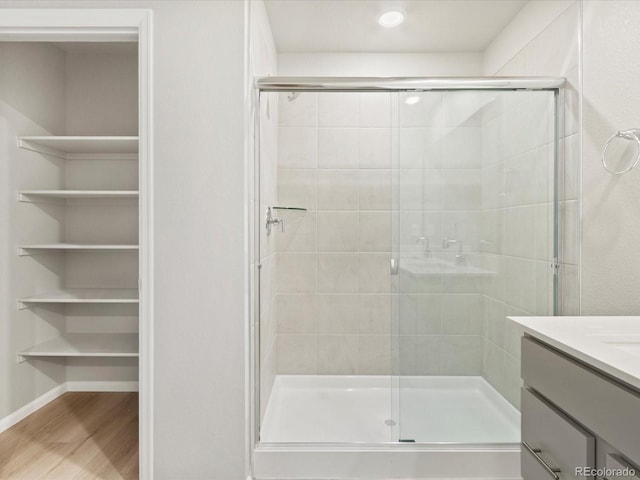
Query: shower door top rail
(341,84)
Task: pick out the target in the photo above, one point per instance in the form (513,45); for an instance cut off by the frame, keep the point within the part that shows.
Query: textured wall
(611,101)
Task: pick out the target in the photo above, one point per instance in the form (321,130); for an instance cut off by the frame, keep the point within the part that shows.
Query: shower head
(291,96)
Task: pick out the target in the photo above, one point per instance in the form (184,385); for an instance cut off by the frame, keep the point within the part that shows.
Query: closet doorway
(76,283)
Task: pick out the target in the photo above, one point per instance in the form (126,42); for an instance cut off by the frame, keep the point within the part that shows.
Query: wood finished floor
(78,436)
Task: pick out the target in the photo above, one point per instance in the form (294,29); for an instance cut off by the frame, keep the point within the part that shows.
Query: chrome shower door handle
(394,266)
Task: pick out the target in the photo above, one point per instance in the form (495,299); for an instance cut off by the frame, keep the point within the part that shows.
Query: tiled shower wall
(517,195)
(269,265)
(334,291)
(439,314)
(338,157)
(474,167)
(554,51)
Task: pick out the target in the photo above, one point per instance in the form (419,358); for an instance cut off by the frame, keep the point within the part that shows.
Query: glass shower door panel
(475,216)
(325,310)
(419,195)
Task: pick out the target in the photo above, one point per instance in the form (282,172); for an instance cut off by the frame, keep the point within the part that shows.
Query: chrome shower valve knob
(272,220)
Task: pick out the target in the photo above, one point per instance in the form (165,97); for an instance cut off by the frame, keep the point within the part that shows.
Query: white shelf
(25,195)
(27,249)
(83,295)
(85,345)
(67,147)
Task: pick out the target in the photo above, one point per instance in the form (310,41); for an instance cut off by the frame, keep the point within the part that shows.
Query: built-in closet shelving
(29,249)
(104,345)
(83,295)
(68,147)
(86,345)
(31,195)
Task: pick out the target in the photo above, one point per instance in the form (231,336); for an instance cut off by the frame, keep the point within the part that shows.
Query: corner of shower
(396,223)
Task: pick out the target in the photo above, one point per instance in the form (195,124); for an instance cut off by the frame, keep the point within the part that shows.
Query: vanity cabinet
(575,417)
(552,443)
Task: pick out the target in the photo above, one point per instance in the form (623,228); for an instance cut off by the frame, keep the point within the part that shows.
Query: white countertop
(610,344)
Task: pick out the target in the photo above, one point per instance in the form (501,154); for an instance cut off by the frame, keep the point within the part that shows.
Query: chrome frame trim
(368,84)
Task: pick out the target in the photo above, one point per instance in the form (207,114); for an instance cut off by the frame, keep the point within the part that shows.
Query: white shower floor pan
(321,409)
(337,427)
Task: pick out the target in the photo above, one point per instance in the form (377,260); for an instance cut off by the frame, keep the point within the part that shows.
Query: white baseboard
(102,386)
(22,413)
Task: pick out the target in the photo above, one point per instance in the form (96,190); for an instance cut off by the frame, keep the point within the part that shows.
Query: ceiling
(352,25)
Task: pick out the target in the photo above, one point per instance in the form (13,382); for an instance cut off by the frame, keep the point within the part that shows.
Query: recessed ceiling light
(412,100)
(391,19)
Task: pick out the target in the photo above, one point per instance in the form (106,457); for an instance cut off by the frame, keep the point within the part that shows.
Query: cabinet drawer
(616,463)
(556,440)
(600,404)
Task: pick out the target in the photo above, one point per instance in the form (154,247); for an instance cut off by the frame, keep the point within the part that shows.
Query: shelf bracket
(27,198)
(26,145)
(20,358)
(22,305)
(28,252)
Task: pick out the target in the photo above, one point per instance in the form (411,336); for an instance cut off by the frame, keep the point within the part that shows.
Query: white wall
(199,255)
(32,100)
(102,93)
(611,102)
(199,332)
(380,64)
(522,31)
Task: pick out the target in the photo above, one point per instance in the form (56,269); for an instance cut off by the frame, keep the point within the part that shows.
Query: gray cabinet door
(617,468)
(551,441)
(594,400)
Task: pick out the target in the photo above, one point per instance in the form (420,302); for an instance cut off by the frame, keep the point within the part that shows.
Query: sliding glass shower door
(473,221)
(396,231)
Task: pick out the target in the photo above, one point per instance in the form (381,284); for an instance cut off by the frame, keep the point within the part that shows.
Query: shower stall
(396,224)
